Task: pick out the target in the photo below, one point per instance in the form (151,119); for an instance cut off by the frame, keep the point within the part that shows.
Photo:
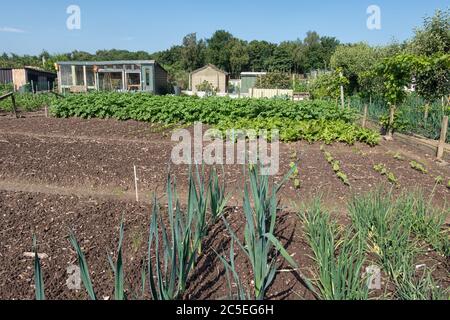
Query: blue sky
(31,26)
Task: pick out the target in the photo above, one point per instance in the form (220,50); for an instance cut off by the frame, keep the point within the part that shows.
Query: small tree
(207,87)
(396,73)
(433,77)
(328,85)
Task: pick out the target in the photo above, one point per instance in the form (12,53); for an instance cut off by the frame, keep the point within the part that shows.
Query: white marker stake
(46,112)
(136,184)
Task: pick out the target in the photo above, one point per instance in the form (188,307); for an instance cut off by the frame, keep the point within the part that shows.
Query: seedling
(297,183)
(380,168)
(336,166)
(438,180)
(343,177)
(392,178)
(418,167)
(398,157)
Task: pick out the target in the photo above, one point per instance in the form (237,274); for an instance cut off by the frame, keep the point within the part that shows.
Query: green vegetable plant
(260,244)
(418,167)
(336,166)
(340,256)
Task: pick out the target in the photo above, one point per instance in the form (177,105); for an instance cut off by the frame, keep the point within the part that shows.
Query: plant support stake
(441,145)
(136,184)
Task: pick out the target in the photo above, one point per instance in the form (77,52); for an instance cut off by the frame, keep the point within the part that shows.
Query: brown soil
(62,174)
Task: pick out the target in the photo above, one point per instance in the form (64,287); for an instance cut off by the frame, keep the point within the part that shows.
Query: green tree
(355,61)
(192,53)
(434,36)
(219,49)
(239,57)
(396,73)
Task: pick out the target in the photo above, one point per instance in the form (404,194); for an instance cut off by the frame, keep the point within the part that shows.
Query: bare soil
(58,175)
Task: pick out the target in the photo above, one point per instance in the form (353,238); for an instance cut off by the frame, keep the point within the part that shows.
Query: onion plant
(391,228)
(340,259)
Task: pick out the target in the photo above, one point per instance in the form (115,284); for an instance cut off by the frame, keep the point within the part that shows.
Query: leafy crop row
(312,120)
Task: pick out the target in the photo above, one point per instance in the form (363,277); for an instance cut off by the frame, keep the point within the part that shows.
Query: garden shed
(209,73)
(248,80)
(28,78)
(127,75)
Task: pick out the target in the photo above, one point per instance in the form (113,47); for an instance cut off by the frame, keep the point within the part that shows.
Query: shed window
(66,75)
(79,72)
(90,76)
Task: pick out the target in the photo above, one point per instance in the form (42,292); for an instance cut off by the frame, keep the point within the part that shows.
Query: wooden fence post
(364,120)
(425,116)
(342,94)
(13,99)
(441,145)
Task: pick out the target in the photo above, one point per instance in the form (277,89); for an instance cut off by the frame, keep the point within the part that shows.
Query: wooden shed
(28,78)
(210,73)
(123,75)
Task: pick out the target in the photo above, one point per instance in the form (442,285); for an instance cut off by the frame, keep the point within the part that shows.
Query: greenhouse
(130,75)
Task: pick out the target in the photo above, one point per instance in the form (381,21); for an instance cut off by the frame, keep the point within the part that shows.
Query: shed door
(147,79)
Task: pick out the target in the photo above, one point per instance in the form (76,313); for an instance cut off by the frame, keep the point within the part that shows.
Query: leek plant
(84,270)
(340,259)
(174,260)
(217,198)
(233,277)
(38,279)
(260,244)
(119,292)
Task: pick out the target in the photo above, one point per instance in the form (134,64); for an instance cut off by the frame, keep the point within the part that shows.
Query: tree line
(356,62)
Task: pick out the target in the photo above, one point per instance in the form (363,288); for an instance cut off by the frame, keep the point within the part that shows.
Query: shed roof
(253,73)
(209,65)
(92,63)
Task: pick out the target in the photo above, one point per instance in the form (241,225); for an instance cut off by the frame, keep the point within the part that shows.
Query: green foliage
(274,80)
(328,85)
(418,167)
(432,79)
(310,120)
(260,244)
(28,101)
(397,73)
(340,257)
(433,37)
(84,269)
(38,279)
(327,131)
(354,60)
(207,87)
(119,292)
(389,225)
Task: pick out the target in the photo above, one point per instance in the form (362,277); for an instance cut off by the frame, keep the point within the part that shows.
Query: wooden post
(441,145)
(32,86)
(425,116)
(14,105)
(364,120)
(391,122)
(136,184)
(342,95)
